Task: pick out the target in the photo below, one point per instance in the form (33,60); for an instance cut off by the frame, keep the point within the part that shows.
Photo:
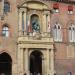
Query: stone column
(43,65)
(20,22)
(2,11)
(14,68)
(29,27)
(25,16)
(20,61)
(52,61)
(44,22)
(48,22)
(48,62)
(26,61)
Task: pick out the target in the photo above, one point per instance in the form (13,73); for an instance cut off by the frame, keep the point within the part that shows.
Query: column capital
(25,10)
(46,12)
(43,58)
(21,48)
(22,9)
(49,49)
(26,48)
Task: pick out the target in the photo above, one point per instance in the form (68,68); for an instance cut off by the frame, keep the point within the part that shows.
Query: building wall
(64,51)
(64,59)
(9,44)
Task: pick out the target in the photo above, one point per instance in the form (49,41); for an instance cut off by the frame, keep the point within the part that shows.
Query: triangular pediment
(33,4)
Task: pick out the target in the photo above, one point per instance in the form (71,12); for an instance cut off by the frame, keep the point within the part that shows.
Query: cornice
(63,1)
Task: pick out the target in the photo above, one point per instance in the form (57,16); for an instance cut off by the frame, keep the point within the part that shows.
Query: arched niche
(34,21)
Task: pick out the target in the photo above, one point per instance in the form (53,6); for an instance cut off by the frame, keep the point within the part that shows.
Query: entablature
(37,38)
(33,4)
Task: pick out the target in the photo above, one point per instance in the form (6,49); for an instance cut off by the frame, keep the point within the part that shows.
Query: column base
(51,73)
(21,73)
(27,73)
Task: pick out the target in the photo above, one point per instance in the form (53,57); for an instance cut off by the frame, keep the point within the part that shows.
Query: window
(72,33)
(69,73)
(56,8)
(6,7)
(70,9)
(57,32)
(5,31)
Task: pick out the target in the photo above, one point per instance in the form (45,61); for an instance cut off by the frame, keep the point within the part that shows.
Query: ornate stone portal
(35,45)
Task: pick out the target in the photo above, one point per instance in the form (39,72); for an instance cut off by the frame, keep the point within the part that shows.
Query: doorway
(5,64)
(36,63)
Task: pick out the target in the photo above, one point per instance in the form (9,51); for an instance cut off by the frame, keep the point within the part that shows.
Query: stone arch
(36,50)
(56,20)
(36,62)
(9,53)
(34,14)
(5,64)
(69,23)
(40,1)
(6,54)
(7,28)
(6,24)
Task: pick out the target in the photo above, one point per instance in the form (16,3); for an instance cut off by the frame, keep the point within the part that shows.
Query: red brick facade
(64,61)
